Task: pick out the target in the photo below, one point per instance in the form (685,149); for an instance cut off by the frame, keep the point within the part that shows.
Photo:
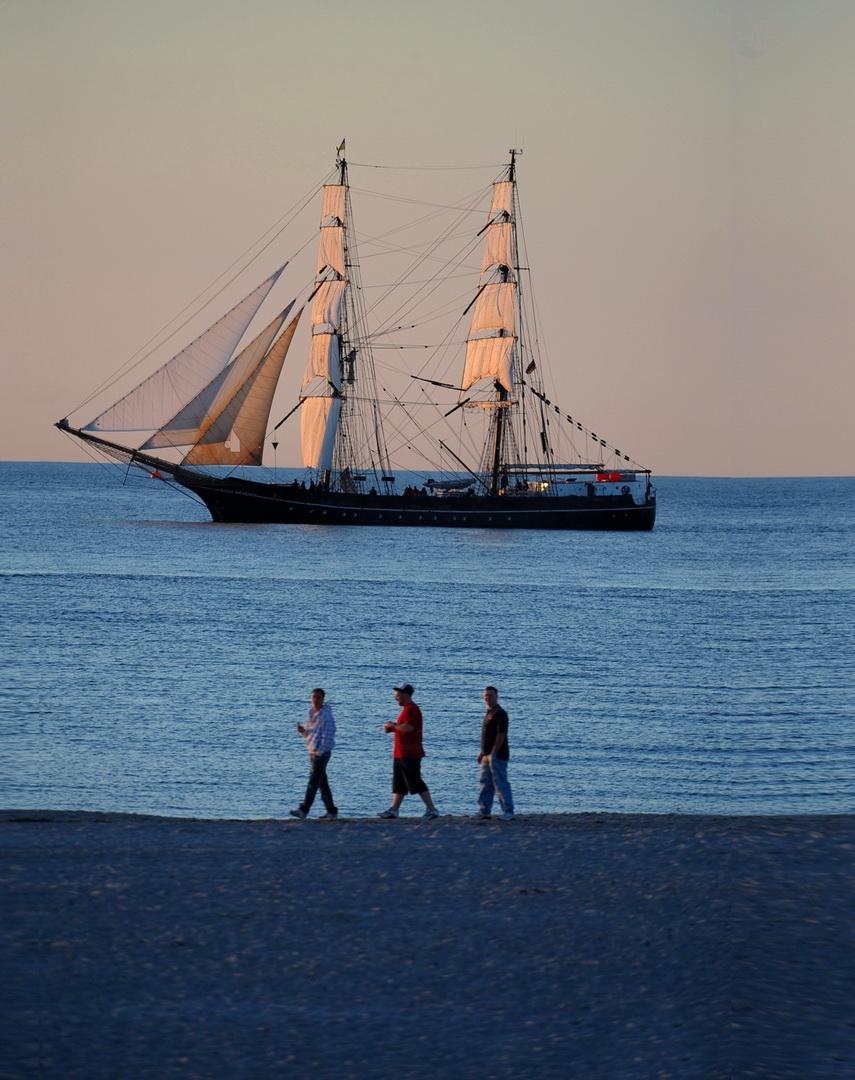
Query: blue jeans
(494,780)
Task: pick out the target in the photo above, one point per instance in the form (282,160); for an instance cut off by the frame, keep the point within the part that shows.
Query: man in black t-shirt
(493,758)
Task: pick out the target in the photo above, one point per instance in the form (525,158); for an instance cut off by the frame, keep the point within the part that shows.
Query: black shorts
(407,776)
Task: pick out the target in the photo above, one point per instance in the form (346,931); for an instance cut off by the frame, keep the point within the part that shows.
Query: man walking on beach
(409,751)
(493,758)
(319,733)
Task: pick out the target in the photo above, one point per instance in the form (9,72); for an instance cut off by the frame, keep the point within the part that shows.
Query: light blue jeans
(494,781)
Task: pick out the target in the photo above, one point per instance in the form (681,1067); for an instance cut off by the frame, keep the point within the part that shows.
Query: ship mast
(493,338)
(321,391)
(501,392)
(341,162)
(498,432)
(339,436)
(360,440)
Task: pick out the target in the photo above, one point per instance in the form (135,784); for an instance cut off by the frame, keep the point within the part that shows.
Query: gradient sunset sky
(688,183)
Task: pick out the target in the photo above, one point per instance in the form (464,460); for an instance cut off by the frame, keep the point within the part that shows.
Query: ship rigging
(461,431)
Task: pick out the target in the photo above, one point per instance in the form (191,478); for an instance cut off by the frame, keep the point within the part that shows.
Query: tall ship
(460,432)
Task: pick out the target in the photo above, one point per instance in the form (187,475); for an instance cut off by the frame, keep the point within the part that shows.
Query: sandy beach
(570,945)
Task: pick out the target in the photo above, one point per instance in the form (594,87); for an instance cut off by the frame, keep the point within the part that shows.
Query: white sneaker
(430,814)
(298,812)
(390,813)
(507,816)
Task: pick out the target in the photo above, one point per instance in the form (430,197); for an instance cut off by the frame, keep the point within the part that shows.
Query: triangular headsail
(190,423)
(235,436)
(164,393)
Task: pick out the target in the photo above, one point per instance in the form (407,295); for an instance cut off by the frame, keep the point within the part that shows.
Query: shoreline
(569,817)
(627,945)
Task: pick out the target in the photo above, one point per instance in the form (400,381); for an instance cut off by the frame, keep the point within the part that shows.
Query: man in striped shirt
(319,734)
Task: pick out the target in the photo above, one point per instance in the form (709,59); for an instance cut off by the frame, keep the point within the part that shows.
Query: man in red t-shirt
(409,751)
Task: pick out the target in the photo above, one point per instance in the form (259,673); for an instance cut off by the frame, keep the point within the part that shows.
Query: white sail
(235,436)
(324,360)
(165,392)
(326,307)
(318,424)
(494,311)
(321,406)
(191,422)
(184,428)
(492,331)
(332,211)
(498,246)
(503,199)
(331,249)
(490,358)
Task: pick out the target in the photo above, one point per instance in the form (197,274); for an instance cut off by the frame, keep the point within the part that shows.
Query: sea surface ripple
(155,662)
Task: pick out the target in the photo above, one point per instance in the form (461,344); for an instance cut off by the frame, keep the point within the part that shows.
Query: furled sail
(190,423)
(164,393)
(235,436)
(318,425)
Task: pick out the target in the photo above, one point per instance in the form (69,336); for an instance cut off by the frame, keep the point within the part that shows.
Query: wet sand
(555,946)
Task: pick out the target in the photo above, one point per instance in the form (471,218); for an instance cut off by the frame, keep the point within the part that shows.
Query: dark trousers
(318,779)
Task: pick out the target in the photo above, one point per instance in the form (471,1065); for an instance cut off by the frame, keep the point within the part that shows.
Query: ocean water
(151,661)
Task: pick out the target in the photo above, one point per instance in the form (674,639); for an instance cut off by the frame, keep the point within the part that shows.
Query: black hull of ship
(248,502)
